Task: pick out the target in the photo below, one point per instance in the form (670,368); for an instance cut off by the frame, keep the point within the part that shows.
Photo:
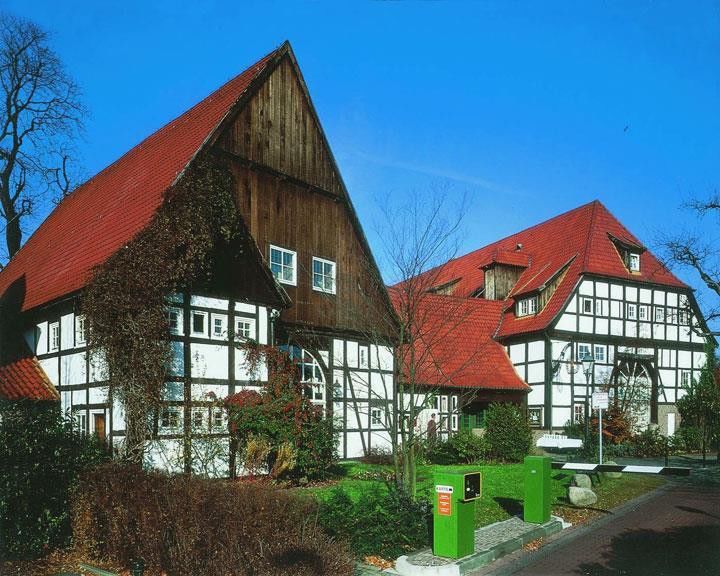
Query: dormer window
(634,261)
(527,306)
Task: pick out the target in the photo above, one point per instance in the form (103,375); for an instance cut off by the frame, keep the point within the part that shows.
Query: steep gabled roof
(583,237)
(24,379)
(108,210)
(454,344)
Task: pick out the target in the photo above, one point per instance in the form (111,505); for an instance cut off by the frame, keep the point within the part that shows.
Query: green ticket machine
(454,513)
(537,489)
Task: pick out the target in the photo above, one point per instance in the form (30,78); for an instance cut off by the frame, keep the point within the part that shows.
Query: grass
(502,489)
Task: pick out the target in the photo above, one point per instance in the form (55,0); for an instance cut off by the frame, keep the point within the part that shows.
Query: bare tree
(40,114)
(419,239)
(699,252)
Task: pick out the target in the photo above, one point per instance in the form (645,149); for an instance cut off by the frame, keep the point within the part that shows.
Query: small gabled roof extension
(454,345)
(584,237)
(108,210)
(24,379)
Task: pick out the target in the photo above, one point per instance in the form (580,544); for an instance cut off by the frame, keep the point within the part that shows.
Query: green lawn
(502,488)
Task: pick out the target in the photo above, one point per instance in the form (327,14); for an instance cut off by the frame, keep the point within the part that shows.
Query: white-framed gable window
(245,328)
(175,320)
(684,317)
(643,312)
(80,337)
(685,378)
(527,306)
(587,306)
(198,323)
(599,307)
(283,264)
(599,353)
(634,262)
(323,275)
(54,337)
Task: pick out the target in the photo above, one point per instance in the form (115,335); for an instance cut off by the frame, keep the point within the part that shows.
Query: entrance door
(100,426)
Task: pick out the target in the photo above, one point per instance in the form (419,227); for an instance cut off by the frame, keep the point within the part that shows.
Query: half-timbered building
(577,287)
(305,280)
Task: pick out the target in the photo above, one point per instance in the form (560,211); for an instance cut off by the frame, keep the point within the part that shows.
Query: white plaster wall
(352,354)
(263,325)
(560,416)
(42,336)
(536,395)
(381,385)
(338,352)
(536,350)
(67,331)
(536,373)
(206,302)
(517,353)
(73,369)
(585,324)
(616,291)
(561,394)
(50,367)
(586,288)
(98,395)
(566,322)
(602,289)
(209,361)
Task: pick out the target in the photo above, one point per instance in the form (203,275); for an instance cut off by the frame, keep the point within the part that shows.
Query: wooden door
(100,426)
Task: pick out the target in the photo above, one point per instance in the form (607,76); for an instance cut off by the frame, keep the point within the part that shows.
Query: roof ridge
(591,227)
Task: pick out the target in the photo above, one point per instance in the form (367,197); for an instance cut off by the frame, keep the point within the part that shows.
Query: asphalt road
(673,531)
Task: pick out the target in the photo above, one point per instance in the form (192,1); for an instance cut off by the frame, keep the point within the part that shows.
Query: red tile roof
(454,345)
(25,379)
(578,237)
(108,210)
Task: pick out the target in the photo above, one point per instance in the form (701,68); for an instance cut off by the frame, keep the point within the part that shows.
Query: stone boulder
(612,474)
(582,481)
(582,497)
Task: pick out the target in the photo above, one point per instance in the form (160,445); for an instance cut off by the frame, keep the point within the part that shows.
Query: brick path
(674,531)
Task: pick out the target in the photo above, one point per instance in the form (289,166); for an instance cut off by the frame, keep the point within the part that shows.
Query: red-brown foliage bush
(190,526)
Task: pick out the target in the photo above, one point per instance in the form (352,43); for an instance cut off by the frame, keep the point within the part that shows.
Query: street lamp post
(587,364)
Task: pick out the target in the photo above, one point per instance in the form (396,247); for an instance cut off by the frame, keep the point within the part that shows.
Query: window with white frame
(634,262)
(659,314)
(323,275)
(283,264)
(671,316)
(81,422)
(599,353)
(171,418)
(363,357)
(587,306)
(535,416)
(643,312)
(527,306)
(583,352)
(80,330)
(685,378)
(218,419)
(175,320)
(454,422)
(453,403)
(245,328)
(578,412)
(684,317)
(311,375)
(219,326)
(199,418)
(436,402)
(443,404)
(54,337)
(376,417)
(631,311)
(198,323)
(600,307)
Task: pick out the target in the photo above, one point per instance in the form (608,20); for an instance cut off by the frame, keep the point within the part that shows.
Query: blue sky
(528,108)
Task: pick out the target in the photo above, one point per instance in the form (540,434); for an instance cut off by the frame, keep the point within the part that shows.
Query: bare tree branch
(40,113)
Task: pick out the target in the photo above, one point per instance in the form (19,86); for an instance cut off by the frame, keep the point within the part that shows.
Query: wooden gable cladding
(293,216)
(278,128)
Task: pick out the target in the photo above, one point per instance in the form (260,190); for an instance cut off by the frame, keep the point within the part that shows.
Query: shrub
(41,455)
(185,525)
(378,455)
(686,439)
(282,414)
(463,447)
(385,522)
(508,432)
(649,443)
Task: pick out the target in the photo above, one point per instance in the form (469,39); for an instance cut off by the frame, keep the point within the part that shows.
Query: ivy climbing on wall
(125,302)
